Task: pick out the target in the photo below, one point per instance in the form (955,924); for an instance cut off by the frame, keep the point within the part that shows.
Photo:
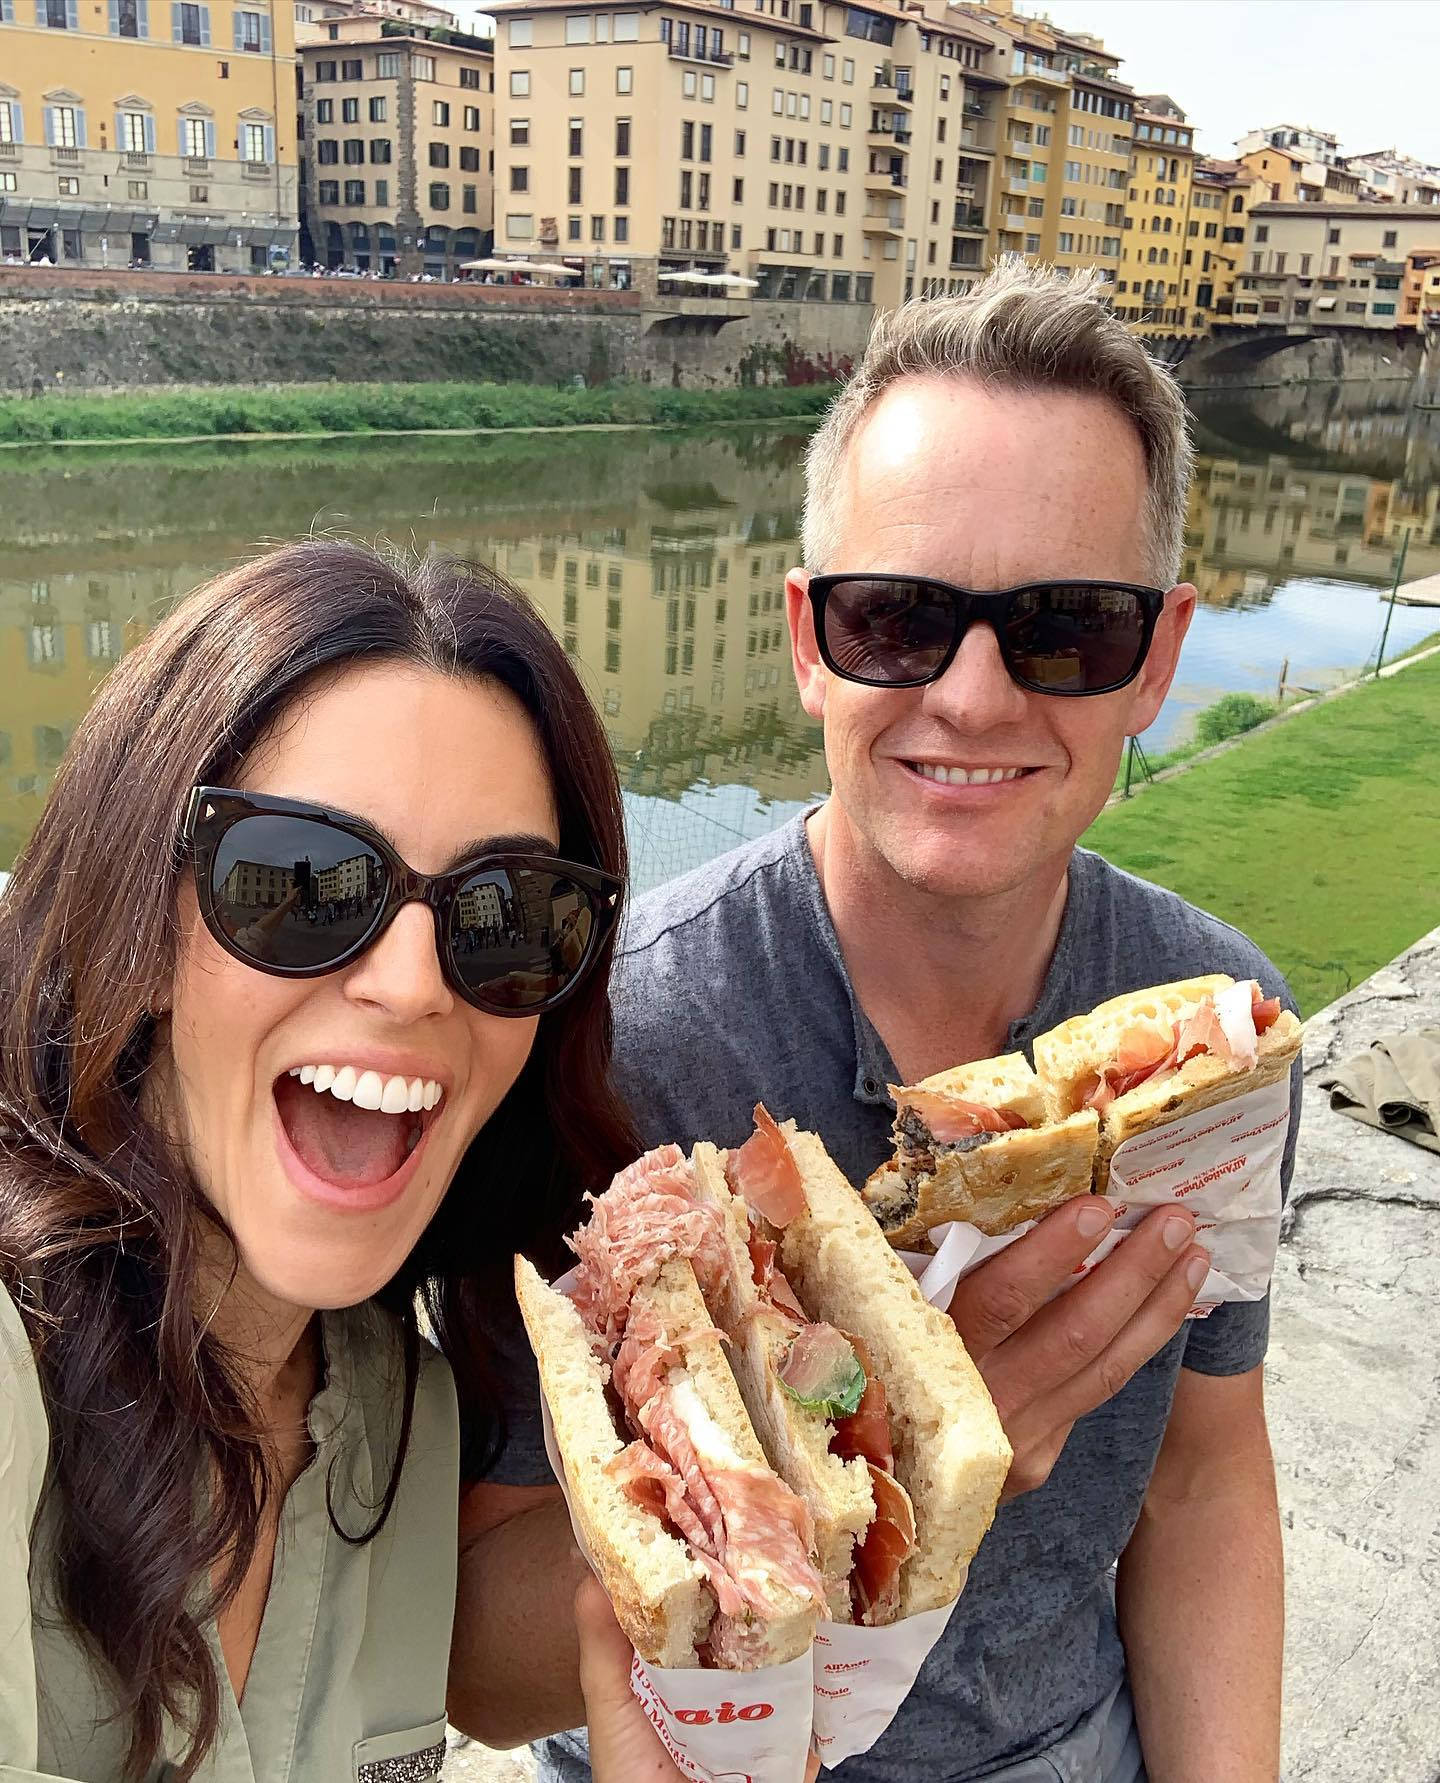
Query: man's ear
(810,673)
(1152,684)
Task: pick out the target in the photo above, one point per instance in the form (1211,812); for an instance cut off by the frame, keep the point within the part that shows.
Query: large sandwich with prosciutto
(1155,1055)
(863,1394)
(759,1417)
(997,1143)
(978,1143)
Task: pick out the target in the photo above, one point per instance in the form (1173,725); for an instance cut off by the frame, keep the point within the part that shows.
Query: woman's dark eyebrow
(520,843)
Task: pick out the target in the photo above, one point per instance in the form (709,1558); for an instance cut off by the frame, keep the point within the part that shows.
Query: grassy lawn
(1320,839)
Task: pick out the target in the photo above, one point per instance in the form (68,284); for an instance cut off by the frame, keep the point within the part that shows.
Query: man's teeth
(965,776)
(368,1089)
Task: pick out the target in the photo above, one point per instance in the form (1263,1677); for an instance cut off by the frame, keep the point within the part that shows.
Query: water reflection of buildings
(1253,526)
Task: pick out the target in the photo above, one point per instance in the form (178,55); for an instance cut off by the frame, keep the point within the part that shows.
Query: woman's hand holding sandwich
(1049,1360)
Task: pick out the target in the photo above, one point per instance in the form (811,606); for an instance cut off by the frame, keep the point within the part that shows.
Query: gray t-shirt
(731,988)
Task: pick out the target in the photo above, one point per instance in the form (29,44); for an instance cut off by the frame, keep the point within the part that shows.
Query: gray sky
(1368,70)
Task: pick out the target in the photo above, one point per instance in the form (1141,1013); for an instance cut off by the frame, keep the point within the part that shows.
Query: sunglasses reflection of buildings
(266,885)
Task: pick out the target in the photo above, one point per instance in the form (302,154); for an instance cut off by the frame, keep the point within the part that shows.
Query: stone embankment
(1353,1392)
(84,331)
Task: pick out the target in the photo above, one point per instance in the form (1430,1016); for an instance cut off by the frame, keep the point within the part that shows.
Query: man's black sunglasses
(296,890)
(1070,638)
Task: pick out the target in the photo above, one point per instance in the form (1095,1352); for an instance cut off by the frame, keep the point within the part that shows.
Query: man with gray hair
(988,609)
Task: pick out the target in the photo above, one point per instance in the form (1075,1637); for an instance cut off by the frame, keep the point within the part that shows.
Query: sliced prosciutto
(1225,1026)
(822,1371)
(648,1215)
(888,1544)
(770,1280)
(765,1173)
(950,1120)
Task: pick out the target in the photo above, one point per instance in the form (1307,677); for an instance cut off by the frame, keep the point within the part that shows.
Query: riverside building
(133,132)
(826,152)
(397,143)
(1336,265)
(1157,287)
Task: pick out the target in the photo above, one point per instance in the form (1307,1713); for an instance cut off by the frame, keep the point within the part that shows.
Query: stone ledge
(1353,1391)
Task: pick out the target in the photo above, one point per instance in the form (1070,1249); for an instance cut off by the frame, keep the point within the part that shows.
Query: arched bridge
(1234,348)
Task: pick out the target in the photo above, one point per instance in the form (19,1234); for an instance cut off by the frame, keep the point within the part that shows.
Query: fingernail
(1090,1222)
(1195,1272)
(1176,1232)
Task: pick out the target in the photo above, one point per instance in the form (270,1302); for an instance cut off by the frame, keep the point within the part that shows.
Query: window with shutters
(251,29)
(130,18)
(9,122)
(65,131)
(253,146)
(131,133)
(194,139)
(622,186)
(58,15)
(577,138)
(190,24)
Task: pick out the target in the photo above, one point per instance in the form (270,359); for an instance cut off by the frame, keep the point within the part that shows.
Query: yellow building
(137,133)
(1157,285)
(397,128)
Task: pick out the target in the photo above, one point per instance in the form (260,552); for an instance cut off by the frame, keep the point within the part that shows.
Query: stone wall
(68,331)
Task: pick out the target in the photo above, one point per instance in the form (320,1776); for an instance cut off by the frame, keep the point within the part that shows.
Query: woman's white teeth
(368,1089)
(965,776)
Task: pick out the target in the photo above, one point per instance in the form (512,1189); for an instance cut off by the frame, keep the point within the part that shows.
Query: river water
(659,558)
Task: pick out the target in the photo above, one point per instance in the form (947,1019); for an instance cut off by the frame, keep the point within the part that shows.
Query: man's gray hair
(1026,328)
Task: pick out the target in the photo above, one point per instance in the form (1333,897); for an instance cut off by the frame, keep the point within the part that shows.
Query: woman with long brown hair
(303,1030)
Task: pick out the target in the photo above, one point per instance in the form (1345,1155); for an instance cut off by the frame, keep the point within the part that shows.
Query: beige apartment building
(1337,265)
(397,145)
(145,134)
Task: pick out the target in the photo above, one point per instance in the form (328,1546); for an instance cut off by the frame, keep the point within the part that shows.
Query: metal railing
(720,58)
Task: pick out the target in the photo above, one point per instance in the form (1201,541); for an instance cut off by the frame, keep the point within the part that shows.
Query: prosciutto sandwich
(848,1466)
(863,1394)
(977,1143)
(1151,1056)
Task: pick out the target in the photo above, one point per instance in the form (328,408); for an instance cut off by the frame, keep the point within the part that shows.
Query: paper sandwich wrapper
(759,1726)
(1222,1162)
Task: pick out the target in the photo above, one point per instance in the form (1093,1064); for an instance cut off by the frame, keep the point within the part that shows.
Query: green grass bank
(376,408)
(1319,838)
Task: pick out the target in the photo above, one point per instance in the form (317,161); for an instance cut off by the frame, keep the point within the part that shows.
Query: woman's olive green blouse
(348,1677)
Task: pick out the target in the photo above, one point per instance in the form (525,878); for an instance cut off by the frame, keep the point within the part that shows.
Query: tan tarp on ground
(1395,1086)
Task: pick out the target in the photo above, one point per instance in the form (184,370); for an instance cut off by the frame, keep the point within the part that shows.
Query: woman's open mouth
(354,1132)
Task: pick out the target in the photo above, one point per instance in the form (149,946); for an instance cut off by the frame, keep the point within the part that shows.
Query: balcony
(1021,188)
(195,166)
(974,264)
(973,108)
(973,142)
(886,226)
(135,161)
(714,58)
(255,170)
(900,134)
(884,179)
(9,151)
(969,217)
(65,157)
